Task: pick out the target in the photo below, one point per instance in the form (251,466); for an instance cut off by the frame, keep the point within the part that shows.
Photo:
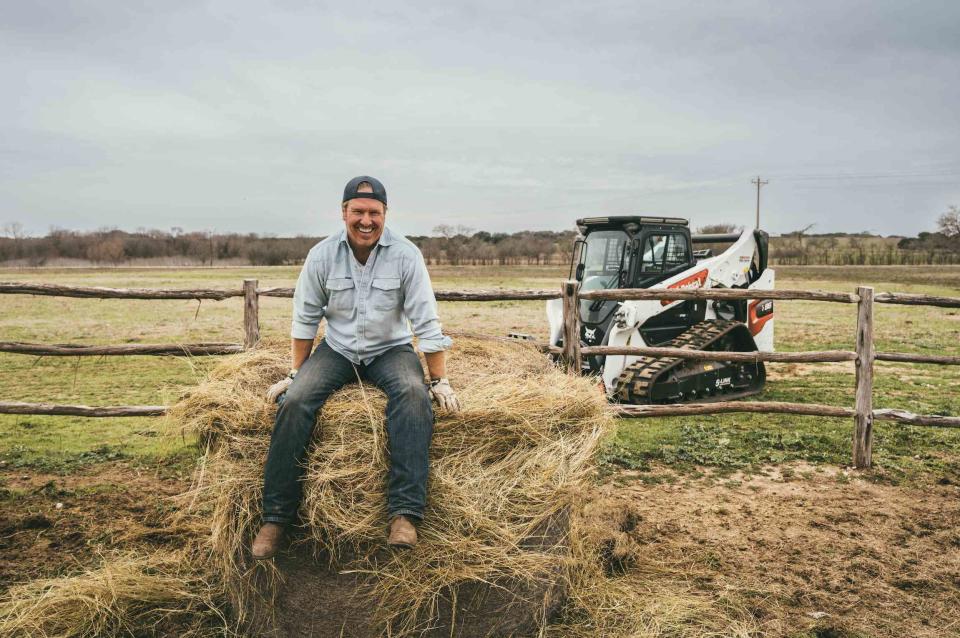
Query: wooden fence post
(863,408)
(571,326)
(251,314)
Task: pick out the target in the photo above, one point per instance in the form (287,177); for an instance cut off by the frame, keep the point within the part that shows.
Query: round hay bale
(493,558)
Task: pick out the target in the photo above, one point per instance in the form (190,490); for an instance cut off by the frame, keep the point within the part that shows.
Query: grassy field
(99,467)
(64,442)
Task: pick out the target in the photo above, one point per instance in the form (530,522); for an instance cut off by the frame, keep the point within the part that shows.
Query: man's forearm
(299,351)
(436,364)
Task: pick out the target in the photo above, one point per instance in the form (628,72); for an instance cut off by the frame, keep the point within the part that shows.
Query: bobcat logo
(589,334)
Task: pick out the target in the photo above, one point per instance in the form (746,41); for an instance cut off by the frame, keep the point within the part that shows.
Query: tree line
(454,245)
(448,245)
(801,247)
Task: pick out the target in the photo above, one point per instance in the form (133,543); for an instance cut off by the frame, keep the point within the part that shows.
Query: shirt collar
(386,238)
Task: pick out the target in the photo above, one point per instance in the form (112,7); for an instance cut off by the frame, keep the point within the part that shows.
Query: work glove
(278,388)
(442,393)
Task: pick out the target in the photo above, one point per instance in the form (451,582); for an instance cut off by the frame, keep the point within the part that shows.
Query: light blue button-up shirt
(370,307)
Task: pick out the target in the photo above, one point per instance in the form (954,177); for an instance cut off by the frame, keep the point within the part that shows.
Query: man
(368,283)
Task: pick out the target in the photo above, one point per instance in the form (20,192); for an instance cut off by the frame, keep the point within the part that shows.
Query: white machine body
(730,269)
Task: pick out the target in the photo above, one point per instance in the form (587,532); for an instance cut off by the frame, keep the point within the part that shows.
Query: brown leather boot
(402,533)
(268,540)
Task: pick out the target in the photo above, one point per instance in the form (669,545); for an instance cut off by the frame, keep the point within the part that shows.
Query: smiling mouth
(366,230)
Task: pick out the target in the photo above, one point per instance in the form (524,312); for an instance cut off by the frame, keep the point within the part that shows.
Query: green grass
(726,442)
(60,444)
(748,442)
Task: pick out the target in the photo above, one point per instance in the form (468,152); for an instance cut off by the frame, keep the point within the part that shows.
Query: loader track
(638,381)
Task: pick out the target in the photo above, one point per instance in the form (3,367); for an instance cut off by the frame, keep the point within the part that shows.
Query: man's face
(364,219)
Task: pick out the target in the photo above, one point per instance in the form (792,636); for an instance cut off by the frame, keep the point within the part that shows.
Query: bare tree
(799,234)
(13,230)
(949,222)
(455,243)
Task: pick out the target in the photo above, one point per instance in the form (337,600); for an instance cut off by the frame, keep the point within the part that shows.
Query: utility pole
(759,183)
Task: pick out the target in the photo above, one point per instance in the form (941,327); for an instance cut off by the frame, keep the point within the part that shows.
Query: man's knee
(409,390)
(294,403)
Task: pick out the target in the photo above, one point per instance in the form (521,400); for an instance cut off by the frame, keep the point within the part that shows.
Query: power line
(888,175)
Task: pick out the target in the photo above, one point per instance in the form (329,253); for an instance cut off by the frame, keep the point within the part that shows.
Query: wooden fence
(863,356)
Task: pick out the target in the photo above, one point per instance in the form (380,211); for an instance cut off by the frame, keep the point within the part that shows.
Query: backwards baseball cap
(379,192)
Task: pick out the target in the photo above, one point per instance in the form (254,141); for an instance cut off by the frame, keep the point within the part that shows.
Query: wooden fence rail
(162,349)
(97,292)
(863,357)
(452,295)
(779,407)
(941,359)
(904,299)
(15,407)
(725,407)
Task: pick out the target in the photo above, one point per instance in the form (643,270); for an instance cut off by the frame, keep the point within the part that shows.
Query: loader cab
(627,252)
(630,252)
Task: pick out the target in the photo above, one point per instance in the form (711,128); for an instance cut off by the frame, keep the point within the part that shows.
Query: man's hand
(278,388)
(443,394)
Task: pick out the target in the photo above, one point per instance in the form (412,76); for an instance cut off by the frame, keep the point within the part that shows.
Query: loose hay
(508,465)
(128,595)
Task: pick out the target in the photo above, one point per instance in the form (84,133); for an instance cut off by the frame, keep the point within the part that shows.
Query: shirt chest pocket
(340,293)
(385,293)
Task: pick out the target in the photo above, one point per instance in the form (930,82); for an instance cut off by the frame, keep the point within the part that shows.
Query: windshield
(601,259)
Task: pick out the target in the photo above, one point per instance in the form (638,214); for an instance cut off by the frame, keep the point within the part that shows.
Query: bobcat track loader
(658,252)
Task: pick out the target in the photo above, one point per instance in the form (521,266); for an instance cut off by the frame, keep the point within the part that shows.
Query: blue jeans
(409,428)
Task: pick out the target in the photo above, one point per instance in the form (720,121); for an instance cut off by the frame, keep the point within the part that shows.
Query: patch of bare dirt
(797,551)
(52,524)
(826,554)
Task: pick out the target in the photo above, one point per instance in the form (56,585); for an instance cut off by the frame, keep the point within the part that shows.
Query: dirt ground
(52,525)
(795,551)
(800,551)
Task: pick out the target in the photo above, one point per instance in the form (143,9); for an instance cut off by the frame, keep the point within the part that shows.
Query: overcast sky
(501,116)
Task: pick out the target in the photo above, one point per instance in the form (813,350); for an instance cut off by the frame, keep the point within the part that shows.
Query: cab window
(677,252)
(602,259)
(664,252)
(653,247)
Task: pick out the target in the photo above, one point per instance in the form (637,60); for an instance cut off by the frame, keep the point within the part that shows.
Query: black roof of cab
(622,221)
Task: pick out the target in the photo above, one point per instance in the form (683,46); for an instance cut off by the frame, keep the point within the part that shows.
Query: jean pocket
(385,293)
(340,293)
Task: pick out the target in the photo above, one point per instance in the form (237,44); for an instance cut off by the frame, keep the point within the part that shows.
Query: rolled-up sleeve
(309,301)
(420,306)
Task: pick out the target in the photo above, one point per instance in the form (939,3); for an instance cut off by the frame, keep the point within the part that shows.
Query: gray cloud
(249,116)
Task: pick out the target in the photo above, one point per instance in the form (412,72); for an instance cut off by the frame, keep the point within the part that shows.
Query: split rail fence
(571,353)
